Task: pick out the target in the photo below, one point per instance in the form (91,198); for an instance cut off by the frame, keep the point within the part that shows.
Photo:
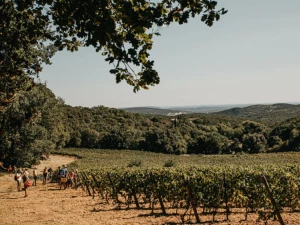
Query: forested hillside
(38,122)
(270,114)
(206,108)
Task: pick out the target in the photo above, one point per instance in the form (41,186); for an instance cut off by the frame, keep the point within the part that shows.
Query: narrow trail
(46,204)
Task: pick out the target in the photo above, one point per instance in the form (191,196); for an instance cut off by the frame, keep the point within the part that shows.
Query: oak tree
(122,30)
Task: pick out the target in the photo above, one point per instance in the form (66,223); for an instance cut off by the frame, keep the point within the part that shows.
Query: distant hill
(275,113)
(270,114)
(154,111)
(206,108)
(181,109)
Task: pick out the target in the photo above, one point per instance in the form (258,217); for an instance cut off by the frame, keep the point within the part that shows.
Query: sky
(250,56)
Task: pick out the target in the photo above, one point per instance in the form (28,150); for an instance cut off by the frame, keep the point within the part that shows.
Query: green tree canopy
(28,128)
(24,31)
(32,30)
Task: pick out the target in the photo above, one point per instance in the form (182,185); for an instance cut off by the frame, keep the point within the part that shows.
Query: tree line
(38,121)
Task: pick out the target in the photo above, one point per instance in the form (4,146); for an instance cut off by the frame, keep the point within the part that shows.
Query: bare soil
(47,204)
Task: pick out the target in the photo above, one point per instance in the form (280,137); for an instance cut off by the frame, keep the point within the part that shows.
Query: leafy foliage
(29,128)
(124,30)
(32,31)
(23,31)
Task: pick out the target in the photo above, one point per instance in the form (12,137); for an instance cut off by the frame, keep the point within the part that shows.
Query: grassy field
(97,158)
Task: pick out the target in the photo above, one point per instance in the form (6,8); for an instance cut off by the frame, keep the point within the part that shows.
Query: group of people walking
(62,177)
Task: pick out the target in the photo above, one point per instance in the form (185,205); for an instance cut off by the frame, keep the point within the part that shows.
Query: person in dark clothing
(50,173)
(45,174)
(34,173)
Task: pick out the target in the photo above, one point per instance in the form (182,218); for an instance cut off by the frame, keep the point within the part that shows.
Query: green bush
(136,163)
(169,163)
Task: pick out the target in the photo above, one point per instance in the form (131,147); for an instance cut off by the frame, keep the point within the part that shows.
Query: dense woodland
(38,122)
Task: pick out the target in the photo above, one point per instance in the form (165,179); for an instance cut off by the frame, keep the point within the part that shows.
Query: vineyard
(194,191)
(95,158)
(210,190)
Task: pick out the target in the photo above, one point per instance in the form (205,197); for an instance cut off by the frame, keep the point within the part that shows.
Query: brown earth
(47,204)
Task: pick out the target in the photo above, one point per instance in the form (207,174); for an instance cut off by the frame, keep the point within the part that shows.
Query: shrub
(169,163)
(136,163)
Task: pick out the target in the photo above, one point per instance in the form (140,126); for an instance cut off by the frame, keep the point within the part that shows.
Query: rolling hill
(206,108)
(266,113)
(183,109)
(275,113)
(154,111)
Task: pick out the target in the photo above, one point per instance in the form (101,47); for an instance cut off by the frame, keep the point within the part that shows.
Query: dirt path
(47,204)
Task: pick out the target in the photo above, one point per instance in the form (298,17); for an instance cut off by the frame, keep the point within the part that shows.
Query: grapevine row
(211,188)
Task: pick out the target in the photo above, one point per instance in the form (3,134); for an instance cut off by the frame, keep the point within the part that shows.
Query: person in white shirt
(18,178)
(26,172)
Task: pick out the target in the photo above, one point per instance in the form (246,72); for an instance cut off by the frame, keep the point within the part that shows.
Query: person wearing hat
(18,178)
(34,173)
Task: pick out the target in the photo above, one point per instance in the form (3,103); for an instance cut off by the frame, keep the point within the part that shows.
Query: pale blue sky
(252,55)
